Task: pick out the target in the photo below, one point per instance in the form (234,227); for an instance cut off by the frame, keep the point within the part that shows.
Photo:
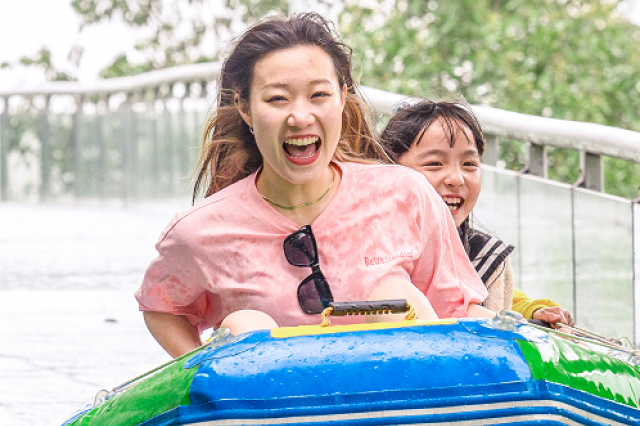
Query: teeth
(452,202)
(302,141)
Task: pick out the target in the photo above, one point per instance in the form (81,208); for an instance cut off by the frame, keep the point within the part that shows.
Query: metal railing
(138,137)
(125,96)
(118,126)
(593,141)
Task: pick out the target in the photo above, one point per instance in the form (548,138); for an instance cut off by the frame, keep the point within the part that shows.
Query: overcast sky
(28,25)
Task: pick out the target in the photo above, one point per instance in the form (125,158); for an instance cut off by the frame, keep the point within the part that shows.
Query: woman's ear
(243,109)
(344,95)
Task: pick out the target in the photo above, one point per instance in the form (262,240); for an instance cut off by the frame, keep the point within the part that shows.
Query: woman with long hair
(299,209)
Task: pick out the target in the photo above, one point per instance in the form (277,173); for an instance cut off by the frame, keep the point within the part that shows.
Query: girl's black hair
(411,121)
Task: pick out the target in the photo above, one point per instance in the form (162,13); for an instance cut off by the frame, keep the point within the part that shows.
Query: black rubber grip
(341,309)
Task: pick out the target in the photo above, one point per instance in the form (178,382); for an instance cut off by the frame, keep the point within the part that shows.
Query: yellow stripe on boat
(312,330)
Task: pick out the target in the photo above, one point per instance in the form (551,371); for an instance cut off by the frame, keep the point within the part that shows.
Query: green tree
(575,60)
(567,59)
(42,60)
(174,33)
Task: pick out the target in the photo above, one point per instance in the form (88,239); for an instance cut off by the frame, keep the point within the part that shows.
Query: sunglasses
(300,249)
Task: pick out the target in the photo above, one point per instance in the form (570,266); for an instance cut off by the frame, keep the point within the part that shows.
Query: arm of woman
(477,311)
(173,332)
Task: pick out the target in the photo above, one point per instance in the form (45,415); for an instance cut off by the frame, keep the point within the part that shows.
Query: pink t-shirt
(385,221)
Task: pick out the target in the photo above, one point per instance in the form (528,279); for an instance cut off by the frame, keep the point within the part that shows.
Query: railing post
(126,149)
(45,151)
(168,142)
(134,164)
(75,144)
(199,125)
(592,176)
(102,109)
(491,150)
(4,150)
(574,266)
(537,161)
(183,143)
(635,238)
(155,143)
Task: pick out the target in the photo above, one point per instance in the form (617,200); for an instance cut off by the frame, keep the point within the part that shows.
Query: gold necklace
(310,203)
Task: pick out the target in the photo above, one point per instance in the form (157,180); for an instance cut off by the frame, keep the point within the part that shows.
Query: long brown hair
(229,151)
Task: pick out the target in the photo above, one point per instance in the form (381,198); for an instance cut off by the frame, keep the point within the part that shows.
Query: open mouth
(454,203)
(302,150)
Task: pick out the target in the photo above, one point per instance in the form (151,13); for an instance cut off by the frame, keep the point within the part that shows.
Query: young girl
(444,141)
(295,215)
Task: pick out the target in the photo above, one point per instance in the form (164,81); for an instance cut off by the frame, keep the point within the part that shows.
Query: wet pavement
(69,325)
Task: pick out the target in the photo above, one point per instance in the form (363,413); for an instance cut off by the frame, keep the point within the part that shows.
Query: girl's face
(453,171)
(295,108)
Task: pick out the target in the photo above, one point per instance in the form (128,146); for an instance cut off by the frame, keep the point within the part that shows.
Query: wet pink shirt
(385,221)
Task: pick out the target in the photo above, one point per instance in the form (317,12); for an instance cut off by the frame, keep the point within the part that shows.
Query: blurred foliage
(122,67)
(24,134)
(563,164)
(568,59)
(42,60)
(174,33)
(21,123)
(621,177)
(513,154)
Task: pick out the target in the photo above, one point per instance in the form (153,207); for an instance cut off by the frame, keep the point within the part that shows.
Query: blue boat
(455,372)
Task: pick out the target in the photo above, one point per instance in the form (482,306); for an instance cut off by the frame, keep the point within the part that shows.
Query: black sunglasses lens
(314,294)
(300,249)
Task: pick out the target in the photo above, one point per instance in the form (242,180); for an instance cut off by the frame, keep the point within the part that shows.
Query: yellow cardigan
(527,306)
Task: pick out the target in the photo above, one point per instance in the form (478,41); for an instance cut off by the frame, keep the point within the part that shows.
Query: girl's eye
(320,94)
(433,164)
(471,164)
(276,98)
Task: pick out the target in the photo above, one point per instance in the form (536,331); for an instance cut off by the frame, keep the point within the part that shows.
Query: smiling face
(454,171)
(295,108)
